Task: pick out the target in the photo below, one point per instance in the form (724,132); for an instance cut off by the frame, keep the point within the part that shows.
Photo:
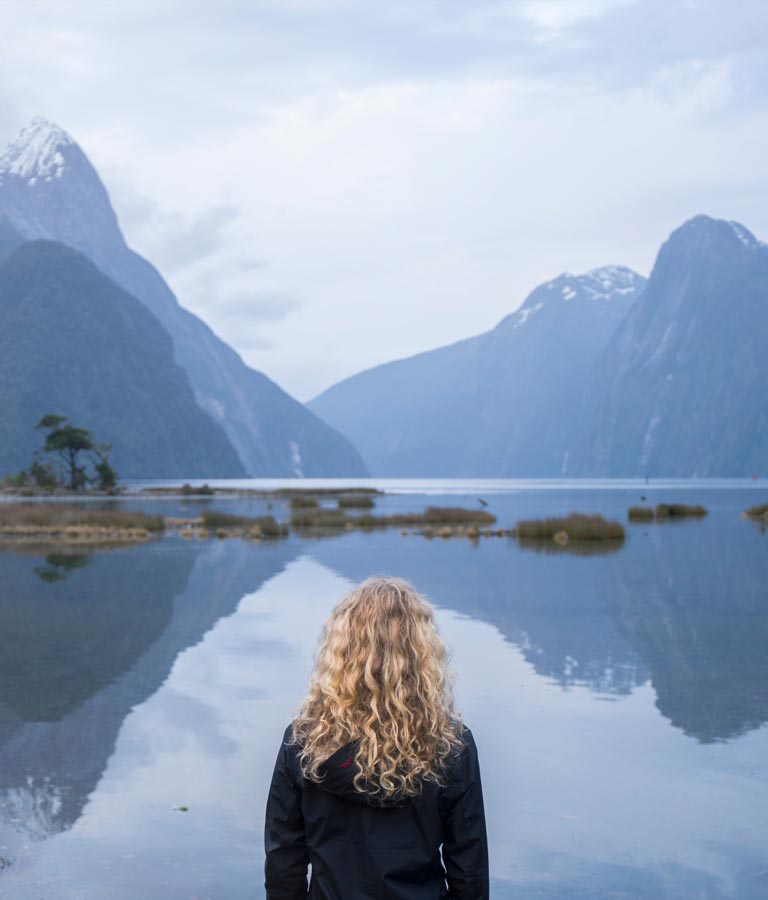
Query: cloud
(558,14)
(278,51)
(257,304)
(190,241)
(11,118)
(248,341)
(174,240)
(384,177)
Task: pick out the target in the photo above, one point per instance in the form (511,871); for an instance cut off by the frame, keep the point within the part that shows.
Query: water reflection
(544,605)
(549,547)
(692,605)
(142,679)
(683,606)
(58,565)
(78,653)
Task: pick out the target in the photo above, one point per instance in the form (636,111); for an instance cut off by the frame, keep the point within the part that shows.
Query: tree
(68,442)
(106,477)
(43,473)
(51,421)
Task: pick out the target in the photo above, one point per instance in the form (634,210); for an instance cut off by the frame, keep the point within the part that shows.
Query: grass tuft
(267,525)
(319,517)
(61,519)
(757,512)
(574,527)
(356,501)
(679,511)
(433,516)
(302,502)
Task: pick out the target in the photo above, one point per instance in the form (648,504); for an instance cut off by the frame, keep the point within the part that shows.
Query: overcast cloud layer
(332,184)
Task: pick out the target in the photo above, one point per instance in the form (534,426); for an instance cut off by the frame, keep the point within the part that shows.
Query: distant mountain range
(507,402)
(602,374)
(49,190)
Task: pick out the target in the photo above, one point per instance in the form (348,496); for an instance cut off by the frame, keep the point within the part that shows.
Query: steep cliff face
(74,343)
(680,390)
(49,190)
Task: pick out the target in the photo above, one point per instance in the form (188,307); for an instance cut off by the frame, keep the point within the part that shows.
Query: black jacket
(359,851)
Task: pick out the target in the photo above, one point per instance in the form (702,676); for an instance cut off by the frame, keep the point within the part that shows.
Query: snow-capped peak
(36,154)
(604,283)
(608,283)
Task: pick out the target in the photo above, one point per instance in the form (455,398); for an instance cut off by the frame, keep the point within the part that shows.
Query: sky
(332,184)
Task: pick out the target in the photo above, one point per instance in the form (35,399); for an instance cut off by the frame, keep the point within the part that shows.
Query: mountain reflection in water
(87,638)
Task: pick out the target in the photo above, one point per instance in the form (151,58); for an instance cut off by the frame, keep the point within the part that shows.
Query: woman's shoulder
(465,732)
(466,745)
(462,762)
(289,747)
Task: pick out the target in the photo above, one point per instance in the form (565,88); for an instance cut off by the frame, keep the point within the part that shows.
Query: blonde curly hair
(381,679)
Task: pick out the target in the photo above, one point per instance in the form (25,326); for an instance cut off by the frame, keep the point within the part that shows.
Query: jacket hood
(338,773)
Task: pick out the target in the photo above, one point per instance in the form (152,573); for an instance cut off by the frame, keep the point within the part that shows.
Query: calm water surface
(619,701)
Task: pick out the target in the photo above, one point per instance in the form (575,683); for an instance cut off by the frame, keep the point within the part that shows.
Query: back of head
(380,679)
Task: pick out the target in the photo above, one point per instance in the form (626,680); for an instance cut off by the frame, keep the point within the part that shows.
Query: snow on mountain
(605,283)
(37,154)
(602,285)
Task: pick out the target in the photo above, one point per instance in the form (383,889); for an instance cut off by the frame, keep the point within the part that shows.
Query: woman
(377,775)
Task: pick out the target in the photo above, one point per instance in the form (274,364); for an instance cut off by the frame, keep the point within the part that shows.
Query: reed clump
(433,517)
(245,526)
(457,515)
(757,512)
(300,501)
(679,511)
(574,527)
(319,517)
(356,501)
(71,523)
(640,513)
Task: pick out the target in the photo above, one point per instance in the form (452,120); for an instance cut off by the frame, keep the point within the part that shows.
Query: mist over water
(619,701)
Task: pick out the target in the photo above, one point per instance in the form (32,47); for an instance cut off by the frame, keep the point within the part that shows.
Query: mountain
(76,659)
(10,239)
(680,390)
(504,403)
(76,344)
(50,190)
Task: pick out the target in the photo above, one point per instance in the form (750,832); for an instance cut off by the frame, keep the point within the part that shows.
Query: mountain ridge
(668,383)
(272,432)
(473,408)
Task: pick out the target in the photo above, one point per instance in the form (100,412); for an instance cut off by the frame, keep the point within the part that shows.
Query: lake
(619,701)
